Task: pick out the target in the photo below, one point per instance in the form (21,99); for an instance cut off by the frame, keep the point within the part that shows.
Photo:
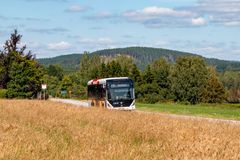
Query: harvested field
(50,130)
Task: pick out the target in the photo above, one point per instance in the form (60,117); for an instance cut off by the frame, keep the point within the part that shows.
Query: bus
(112,93)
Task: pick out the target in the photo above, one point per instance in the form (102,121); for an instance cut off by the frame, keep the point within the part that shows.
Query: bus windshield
(120,91)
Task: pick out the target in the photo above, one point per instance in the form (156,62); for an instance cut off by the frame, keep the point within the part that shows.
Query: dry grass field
(49,130)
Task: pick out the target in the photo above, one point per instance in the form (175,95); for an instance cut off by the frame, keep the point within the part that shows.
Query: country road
(173,116)
(71,101)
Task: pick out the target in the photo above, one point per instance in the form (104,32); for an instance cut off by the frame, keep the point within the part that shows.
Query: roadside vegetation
(49,130)
(223,111)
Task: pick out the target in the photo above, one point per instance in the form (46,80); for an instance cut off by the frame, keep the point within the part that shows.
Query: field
(226,111)
(49,130)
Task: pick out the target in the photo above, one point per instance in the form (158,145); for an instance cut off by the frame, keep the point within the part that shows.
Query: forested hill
(141,55)
(68,62)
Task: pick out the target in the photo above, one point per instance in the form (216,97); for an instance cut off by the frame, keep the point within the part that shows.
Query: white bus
(112,93)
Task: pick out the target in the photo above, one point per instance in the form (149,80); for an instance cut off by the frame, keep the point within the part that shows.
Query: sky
(50,28)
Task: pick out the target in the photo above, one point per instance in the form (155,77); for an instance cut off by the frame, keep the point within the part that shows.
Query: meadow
(50,130)
(223,111)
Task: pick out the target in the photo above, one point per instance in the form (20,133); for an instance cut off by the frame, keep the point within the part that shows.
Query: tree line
(188,80)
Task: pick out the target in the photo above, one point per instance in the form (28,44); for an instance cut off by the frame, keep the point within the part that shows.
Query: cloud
(151,13)
(2,17)
(200,21)
(59,46)
(202,13)
(97,41)
(220,6)
(220,50)
(164,12)
(77,8)
(221,12)
(156,17)
(48,30)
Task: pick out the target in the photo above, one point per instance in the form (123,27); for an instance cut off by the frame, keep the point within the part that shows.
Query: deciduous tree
(188,78)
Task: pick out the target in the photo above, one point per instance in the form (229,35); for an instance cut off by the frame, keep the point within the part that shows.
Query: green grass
(226,111)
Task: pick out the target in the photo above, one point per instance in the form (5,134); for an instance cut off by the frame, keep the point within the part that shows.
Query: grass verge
(225,111)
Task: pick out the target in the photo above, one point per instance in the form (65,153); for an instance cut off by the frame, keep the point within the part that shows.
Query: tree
(66,83)
(148,75)
(114,69)
(135,74)
(25,78)
(10,55)
(89,68)
(84,68)
(126,63)
(52,82)
(214,91)
(188,78)
(161,72)
(231,81)
(104,73)
(55,70)
(20,73)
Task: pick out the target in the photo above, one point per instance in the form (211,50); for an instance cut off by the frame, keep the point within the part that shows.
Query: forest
(188,79)
(142,56)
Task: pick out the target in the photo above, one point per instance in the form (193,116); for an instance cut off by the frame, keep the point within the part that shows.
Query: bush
(3,93)
(150,98)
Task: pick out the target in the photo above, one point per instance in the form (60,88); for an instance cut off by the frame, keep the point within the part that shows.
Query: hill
(142,57)
(68,62)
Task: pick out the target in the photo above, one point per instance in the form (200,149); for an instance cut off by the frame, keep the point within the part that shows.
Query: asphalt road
(70,101)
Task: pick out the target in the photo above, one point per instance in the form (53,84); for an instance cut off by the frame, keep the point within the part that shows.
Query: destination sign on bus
(120,85)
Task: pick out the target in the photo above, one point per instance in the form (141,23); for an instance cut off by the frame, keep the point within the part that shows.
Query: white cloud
(59,46)
(77,8)
(47,30)
(165,12)
(200,21)
(157,17)
(151,13)
(222,12)
(97,41)
(232,23)
(221,6)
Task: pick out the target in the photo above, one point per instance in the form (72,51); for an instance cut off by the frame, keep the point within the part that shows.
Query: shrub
(3,93)
(151,98)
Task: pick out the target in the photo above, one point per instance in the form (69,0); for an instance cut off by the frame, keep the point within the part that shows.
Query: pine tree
(148,75)
(20,73)
(135,74)
(10,54)
(25,79)
(214,91)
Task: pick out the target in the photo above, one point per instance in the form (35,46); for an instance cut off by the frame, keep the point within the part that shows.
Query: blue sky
(210,28)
